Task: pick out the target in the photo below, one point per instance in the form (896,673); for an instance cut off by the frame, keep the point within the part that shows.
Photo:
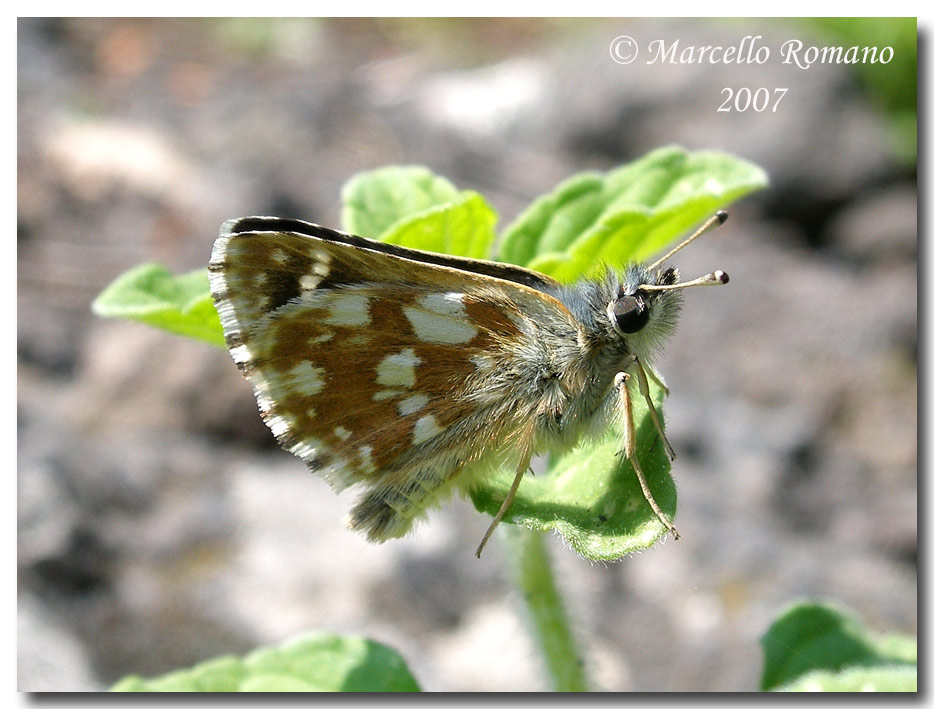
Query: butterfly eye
(630,313)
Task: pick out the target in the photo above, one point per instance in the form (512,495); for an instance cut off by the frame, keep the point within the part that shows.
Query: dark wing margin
(494,269)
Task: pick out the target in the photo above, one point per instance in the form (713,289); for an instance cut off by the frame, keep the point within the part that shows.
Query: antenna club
(714,221)
(722,276)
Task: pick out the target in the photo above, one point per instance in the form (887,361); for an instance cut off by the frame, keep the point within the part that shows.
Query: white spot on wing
(445,304)
(434,327)
(305,449)
(279,256)
(241,354)
(309,282)
(398,369)
(349,310)
(264,402)
(412,404)
(342,433)
(426,427)
(306,378)
(278,425)
(366,459)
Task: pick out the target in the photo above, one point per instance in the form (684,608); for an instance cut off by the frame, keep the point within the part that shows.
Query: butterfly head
(647,299)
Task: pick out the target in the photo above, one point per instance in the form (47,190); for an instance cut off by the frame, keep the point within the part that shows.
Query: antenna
(714,221)
(717,278)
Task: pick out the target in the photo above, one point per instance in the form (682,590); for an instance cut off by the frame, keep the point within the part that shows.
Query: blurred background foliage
(893,85)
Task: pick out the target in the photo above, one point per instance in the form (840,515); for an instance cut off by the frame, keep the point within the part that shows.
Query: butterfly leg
(523,466)
(624,404)
(657,378)
(644,390)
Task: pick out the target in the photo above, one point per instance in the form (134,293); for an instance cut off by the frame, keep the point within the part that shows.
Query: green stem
(546,611)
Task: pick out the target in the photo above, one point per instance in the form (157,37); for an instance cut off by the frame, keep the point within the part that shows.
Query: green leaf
(591,496)
(375,201)
(462,227)
(593,220)
(812,636)
(320,662)
(857,679)
(151,294)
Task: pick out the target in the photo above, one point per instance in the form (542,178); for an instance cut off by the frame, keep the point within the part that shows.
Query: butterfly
(410,374)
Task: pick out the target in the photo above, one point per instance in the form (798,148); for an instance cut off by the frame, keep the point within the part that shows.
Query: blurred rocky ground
(158,523)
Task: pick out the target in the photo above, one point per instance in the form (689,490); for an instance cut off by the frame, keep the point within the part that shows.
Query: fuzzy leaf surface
(594,220)
(375,201)
(151,294)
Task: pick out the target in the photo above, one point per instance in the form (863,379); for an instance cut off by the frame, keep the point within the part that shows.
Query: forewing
(358,357)
(268,226)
